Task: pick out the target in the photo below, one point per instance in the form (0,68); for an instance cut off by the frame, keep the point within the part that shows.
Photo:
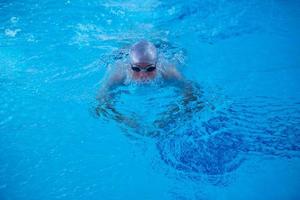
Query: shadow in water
(190,152)
(220,144)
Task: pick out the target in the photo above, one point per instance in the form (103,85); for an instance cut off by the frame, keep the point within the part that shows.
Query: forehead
(143,64)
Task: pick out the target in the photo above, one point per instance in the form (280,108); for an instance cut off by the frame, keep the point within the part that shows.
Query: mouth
(146,79)
(144,75)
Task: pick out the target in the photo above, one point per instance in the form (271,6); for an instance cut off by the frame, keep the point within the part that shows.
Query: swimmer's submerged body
(143,68)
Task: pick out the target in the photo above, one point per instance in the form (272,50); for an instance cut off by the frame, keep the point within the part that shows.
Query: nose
(143,74)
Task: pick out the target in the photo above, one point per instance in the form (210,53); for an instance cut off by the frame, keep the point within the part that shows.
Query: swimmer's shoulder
(118,75)
(170,72)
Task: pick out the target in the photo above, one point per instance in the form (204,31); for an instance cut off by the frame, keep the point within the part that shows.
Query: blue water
(240,139)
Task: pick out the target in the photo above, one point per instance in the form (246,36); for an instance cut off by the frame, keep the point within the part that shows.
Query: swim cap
(143,52)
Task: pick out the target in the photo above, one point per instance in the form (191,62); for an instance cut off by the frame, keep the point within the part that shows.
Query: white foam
(11,33)
(14,20)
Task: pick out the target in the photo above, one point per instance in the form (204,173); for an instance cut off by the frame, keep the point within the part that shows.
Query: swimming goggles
(148,68)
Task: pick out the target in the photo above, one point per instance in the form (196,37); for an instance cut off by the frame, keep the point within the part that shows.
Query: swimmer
(143,67)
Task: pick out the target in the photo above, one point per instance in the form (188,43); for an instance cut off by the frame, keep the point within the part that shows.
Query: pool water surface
(238,139)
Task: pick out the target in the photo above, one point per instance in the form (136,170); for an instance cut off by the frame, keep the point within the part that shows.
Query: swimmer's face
(143,58)
(143,71)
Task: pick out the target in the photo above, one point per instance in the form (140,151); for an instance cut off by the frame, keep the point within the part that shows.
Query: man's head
(143,58)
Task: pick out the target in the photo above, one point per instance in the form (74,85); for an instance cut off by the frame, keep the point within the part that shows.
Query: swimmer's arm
(176,78)
(105,97)
(106,100)
(113,81)
(183,110)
